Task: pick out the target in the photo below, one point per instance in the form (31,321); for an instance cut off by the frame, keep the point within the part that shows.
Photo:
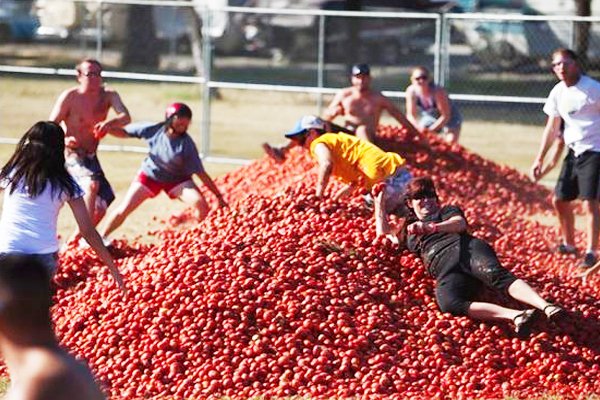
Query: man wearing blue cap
(360,106)
(356,162)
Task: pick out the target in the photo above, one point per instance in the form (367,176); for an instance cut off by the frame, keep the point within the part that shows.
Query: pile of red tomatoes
(285,295)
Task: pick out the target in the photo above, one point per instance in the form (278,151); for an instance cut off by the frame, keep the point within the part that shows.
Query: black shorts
(460,281)
(579,177)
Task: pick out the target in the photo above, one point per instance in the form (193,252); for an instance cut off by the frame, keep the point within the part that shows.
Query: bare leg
(193,197)
(481,310)
(593,223)
(135,196)
(452,135)
(90,190)
(520,290)
(382,225)
(566,219)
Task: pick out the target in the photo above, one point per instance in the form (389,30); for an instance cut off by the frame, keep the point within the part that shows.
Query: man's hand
(101,129)
(71,142)
(536,170)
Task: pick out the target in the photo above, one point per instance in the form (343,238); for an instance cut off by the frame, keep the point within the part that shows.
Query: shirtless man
(83,112)
(38,367)
(360,106)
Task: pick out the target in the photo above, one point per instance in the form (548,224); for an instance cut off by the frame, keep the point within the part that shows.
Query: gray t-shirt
(170,159)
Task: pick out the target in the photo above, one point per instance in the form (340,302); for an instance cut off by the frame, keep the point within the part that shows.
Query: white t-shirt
(28,225)
(579,107)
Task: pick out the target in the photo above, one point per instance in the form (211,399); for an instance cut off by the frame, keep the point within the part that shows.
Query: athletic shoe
(566,249)
(368,201)
(589,260)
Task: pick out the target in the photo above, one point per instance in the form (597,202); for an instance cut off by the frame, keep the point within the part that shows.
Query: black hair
(87,60)
(26,284)
(421,187)
(38,160)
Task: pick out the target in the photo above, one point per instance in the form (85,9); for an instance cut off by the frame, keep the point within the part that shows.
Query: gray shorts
(85,166)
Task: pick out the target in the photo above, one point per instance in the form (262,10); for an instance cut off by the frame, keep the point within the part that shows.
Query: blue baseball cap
(305,123)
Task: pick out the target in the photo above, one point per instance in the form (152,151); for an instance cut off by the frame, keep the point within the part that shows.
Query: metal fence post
(206,95)
(99,27)
(446,43)
(321,62)
(437,56)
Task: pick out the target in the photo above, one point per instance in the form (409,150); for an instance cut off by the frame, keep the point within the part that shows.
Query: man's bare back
(38,367)
(51,373)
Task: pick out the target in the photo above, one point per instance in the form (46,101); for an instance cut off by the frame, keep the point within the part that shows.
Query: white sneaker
(83,244)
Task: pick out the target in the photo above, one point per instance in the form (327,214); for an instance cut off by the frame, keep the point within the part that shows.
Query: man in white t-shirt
(575,99)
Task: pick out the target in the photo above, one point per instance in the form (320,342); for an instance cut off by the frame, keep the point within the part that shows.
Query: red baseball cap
(179,109)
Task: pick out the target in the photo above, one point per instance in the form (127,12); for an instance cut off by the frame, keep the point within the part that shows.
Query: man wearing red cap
(172,161)
(83,111)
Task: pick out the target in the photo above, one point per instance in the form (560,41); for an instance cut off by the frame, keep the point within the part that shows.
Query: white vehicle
(69,19)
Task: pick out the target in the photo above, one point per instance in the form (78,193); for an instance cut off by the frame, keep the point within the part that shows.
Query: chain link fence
(244,67)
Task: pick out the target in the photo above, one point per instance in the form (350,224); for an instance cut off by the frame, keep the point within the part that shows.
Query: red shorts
(155,186)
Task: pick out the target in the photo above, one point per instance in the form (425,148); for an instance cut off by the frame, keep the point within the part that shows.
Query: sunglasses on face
(421,78)
(423,196)
(90,74)
(562,62)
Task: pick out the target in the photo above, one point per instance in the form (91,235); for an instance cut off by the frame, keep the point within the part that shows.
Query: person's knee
(455,306)
(591,207)
(94,186)
(562,206)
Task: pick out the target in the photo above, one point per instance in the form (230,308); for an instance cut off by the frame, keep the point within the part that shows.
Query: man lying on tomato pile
(462,264)
(358,163)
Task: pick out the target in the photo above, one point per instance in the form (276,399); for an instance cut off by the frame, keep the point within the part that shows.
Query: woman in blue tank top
(429,108)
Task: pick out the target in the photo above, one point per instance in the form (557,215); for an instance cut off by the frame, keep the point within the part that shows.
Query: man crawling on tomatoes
(461,264)
(358,163)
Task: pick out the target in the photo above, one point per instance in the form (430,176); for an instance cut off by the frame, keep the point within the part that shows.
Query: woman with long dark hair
(36,185)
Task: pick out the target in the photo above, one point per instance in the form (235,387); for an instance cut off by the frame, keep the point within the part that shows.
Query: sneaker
(83,244)
(589,260)
(368,200)
(108,243)
(566,249)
